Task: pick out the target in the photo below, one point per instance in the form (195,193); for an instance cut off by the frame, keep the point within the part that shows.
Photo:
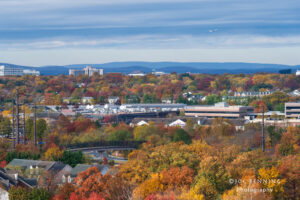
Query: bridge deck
(105,145)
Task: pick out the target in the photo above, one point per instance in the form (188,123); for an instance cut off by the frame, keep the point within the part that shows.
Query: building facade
(89,71)
(252,94)
(137,73)
(292,110)
(10,71)
(76,72)
(31,72)
(15,71)
(222,110)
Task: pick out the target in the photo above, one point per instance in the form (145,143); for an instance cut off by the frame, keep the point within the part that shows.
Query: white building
(292,110)
(10,71)
(155,107)
(297,72)
(137,73)
(158,73)
(179,123)
(166,100)
(295,93)
(15,71)
(221,109)
(88,70)
(87,100)
(76,72)
(113,100)
(252,94)
(31,72)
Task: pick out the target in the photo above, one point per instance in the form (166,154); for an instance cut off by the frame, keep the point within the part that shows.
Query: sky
(61,32)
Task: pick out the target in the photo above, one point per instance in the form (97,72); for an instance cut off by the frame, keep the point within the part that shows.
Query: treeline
(60,90)
(21,155)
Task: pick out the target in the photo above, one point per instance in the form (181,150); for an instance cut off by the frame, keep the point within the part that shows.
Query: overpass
(105,146)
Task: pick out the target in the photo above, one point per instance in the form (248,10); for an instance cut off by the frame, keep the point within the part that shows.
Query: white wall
(3,194)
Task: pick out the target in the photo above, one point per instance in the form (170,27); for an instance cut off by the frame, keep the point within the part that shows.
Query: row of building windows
(214,112)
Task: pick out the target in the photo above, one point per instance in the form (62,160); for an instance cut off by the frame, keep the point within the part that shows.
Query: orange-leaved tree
(90,181)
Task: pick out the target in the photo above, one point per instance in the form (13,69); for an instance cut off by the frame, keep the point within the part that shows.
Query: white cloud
(158,41)
(58,25)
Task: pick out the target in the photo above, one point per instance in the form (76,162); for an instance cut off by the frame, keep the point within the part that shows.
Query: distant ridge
(167,67)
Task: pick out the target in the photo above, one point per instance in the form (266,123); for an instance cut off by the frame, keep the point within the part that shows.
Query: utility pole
(17,115)
(34,123)
(13,125)
(24,125)
(263,130)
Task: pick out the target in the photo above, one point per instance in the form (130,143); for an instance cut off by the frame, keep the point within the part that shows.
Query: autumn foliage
(193,162)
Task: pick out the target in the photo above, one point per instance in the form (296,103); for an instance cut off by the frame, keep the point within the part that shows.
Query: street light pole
(17,115)
(263,130)
(24,125)
(34,123)
(13,125)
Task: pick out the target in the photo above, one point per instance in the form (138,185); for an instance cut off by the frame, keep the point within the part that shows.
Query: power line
(34,121)
(24,125)
(13,126)
(17,115)
(263,130)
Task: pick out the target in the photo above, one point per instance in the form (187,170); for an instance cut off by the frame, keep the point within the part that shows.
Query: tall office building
(15,71)
(90,71)
(31,72)
(76,72)
(10,71)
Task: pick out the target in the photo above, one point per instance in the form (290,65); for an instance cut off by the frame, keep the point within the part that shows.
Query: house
(252,94)
(59,170)
(295,93)
(70,177)
(166,100)
(13,180)
(138,121)
(181,122)
(66,100)
(178,122)
(86,100)
(33,169)
(193,97)
(174,121)
(113,99)
(142,123)
(80,85)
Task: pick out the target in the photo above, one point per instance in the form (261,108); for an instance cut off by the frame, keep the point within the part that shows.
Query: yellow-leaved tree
(270,179)
(245,189)
(53,153)
(151,186)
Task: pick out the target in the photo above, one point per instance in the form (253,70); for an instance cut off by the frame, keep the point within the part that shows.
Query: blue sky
(58,32)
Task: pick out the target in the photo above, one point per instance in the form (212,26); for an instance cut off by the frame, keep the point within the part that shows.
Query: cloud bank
(222,25)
